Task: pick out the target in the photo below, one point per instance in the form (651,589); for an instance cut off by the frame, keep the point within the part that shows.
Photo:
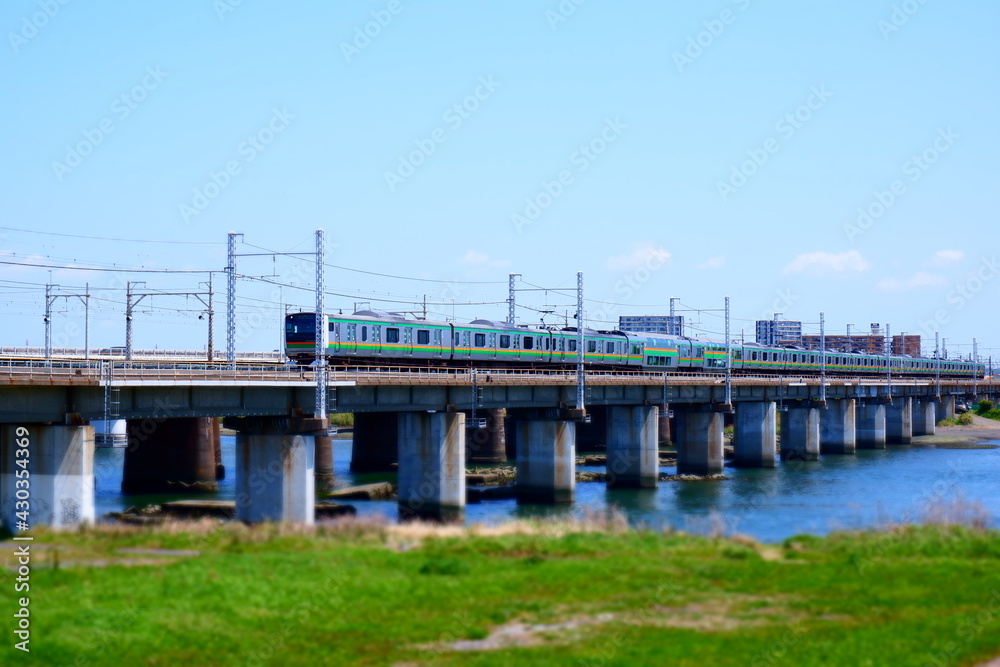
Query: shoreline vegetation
(587,591)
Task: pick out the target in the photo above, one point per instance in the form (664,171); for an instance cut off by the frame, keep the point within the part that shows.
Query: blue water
(836,492)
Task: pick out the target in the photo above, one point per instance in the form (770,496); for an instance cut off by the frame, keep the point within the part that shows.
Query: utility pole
(937,362)
(231,300)
(888,359)
(850,343)
(580,375)
(511,298)
(321,327)
(129,306)
(822,356)
(729,361)
(209,305)
(975,367)
(48,320)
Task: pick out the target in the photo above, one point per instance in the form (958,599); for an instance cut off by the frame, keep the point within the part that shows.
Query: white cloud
(944,258)
(646,254)
(919,279)
(713,263)
(827,263)
(473,258)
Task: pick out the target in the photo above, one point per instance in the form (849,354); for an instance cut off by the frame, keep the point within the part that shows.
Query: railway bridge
(429,423)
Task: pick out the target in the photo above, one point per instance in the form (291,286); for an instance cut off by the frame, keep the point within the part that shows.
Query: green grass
(383,595)
(342,419)
(964,419)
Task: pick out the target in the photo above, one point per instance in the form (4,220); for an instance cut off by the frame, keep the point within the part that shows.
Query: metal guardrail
(117,352)
(65,372)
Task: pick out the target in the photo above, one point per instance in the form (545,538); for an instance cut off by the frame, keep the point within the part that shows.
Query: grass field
(587,594)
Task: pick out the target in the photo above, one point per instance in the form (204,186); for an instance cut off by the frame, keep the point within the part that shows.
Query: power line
(109,238)
(97,268)
(382,275)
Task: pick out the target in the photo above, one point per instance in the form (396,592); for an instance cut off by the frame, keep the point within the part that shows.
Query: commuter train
(371,337)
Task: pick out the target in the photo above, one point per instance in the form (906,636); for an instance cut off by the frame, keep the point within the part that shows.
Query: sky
(834,157)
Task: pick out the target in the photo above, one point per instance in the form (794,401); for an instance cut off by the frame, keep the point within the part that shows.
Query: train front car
(300,337)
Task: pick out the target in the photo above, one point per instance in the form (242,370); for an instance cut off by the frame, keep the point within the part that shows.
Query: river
(836,492)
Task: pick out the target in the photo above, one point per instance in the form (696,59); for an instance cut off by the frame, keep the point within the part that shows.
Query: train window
(376,333)
(667,361)
(753,355)
(408,336)
(352,332)
(480,340)
(364,334)
(562,344)
(636,350)
(438,337)
(591,346)
(392,335)
(546,342)
(493,341)
(333,327)
(529,343)
(423,337)
(466,337)
(505,341)
(609,347)
(764,358)
(572,346)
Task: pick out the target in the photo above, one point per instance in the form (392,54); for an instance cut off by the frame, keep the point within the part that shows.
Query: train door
(349,333)
(438,344)
(491,344)
(376,342)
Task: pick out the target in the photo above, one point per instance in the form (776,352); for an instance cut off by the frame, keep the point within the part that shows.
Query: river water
(837,492)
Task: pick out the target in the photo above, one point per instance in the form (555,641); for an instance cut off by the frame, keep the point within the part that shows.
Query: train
(372,337)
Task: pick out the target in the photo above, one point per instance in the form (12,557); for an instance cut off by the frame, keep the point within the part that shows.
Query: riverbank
(585,591)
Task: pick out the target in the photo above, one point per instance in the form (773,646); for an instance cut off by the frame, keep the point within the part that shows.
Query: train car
(378,337)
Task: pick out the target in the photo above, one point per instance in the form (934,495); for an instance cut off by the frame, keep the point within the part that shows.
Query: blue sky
(799,157)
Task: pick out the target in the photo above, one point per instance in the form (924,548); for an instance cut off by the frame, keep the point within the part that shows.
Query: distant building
(867,343)
(779,332)
(671,325)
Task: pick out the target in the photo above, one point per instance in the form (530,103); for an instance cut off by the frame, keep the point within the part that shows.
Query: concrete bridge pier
(171,455)
(375,445)
(838,427)
(699,441)
(924,417)
(754,434)
(800,433)
(275,468)
(61,474)
(633,457)
(431,465)
(899,421)
(488,445)
(947,407)
(546,461)
(871,425)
